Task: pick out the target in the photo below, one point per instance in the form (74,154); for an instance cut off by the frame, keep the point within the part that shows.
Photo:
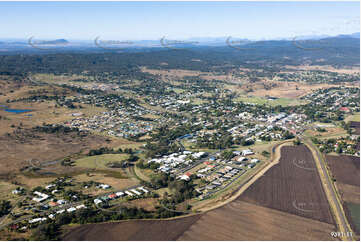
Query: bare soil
(292,186)
(345,168)
(134,230)
(240,220)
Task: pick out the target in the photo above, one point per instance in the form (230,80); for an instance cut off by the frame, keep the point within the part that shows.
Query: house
(254,160)
(35,220)
(16,191)
(237,152)
(247,152)
(54,191)
(184,177)
(119,194)
(53,204)
(80,206)
(129,193)
(49,186)
(210,187)
(61,201)
(103,186)
(143,189)
(97,201)
(251,165)
(216,183)
(72,209)
(41,196)
(112,196)
(136,192)
(242,158)
(60,211)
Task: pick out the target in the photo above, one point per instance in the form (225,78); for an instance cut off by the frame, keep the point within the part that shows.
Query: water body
(17,110)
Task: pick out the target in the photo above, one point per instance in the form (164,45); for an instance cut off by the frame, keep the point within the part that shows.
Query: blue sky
(176,20)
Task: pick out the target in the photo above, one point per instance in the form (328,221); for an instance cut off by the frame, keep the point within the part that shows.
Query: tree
(47,232)
(5,207)
(297,141)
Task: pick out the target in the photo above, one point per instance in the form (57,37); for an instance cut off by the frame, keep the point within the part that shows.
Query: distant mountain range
(17,45)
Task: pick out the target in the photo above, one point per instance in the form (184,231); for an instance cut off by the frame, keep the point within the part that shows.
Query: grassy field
(279,101)
(100,161)
(355,213)
(355,118)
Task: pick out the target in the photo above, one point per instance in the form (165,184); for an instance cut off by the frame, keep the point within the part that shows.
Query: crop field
(355,126)
(240,220)
(345,168)
(237,220)
(292,186)
(140,230)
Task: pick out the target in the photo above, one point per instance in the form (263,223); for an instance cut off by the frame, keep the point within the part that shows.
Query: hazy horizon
(82,21)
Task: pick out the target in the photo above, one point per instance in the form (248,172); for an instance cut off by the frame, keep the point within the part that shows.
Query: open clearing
(292,186)
(17,149)
(100,161)
(279,101)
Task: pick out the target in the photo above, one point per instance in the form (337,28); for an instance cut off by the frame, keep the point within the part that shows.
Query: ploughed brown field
(355,125)
(292,186)
(237,220)
(240,220)
(346,170)
(133,230)
(253,219)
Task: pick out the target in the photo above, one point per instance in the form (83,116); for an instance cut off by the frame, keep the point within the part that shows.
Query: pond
(10,110)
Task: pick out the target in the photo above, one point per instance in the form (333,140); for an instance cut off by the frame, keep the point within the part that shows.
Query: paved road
(337,207)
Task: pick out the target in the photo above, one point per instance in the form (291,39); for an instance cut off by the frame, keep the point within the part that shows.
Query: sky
(176,20)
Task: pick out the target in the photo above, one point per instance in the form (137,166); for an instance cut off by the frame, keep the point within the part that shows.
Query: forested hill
(336,51)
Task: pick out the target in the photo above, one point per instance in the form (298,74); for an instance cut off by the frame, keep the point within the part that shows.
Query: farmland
(240,220)
(356,126)
(237,220)
(345,169)
(346,172)
(292,186)
(132,230)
